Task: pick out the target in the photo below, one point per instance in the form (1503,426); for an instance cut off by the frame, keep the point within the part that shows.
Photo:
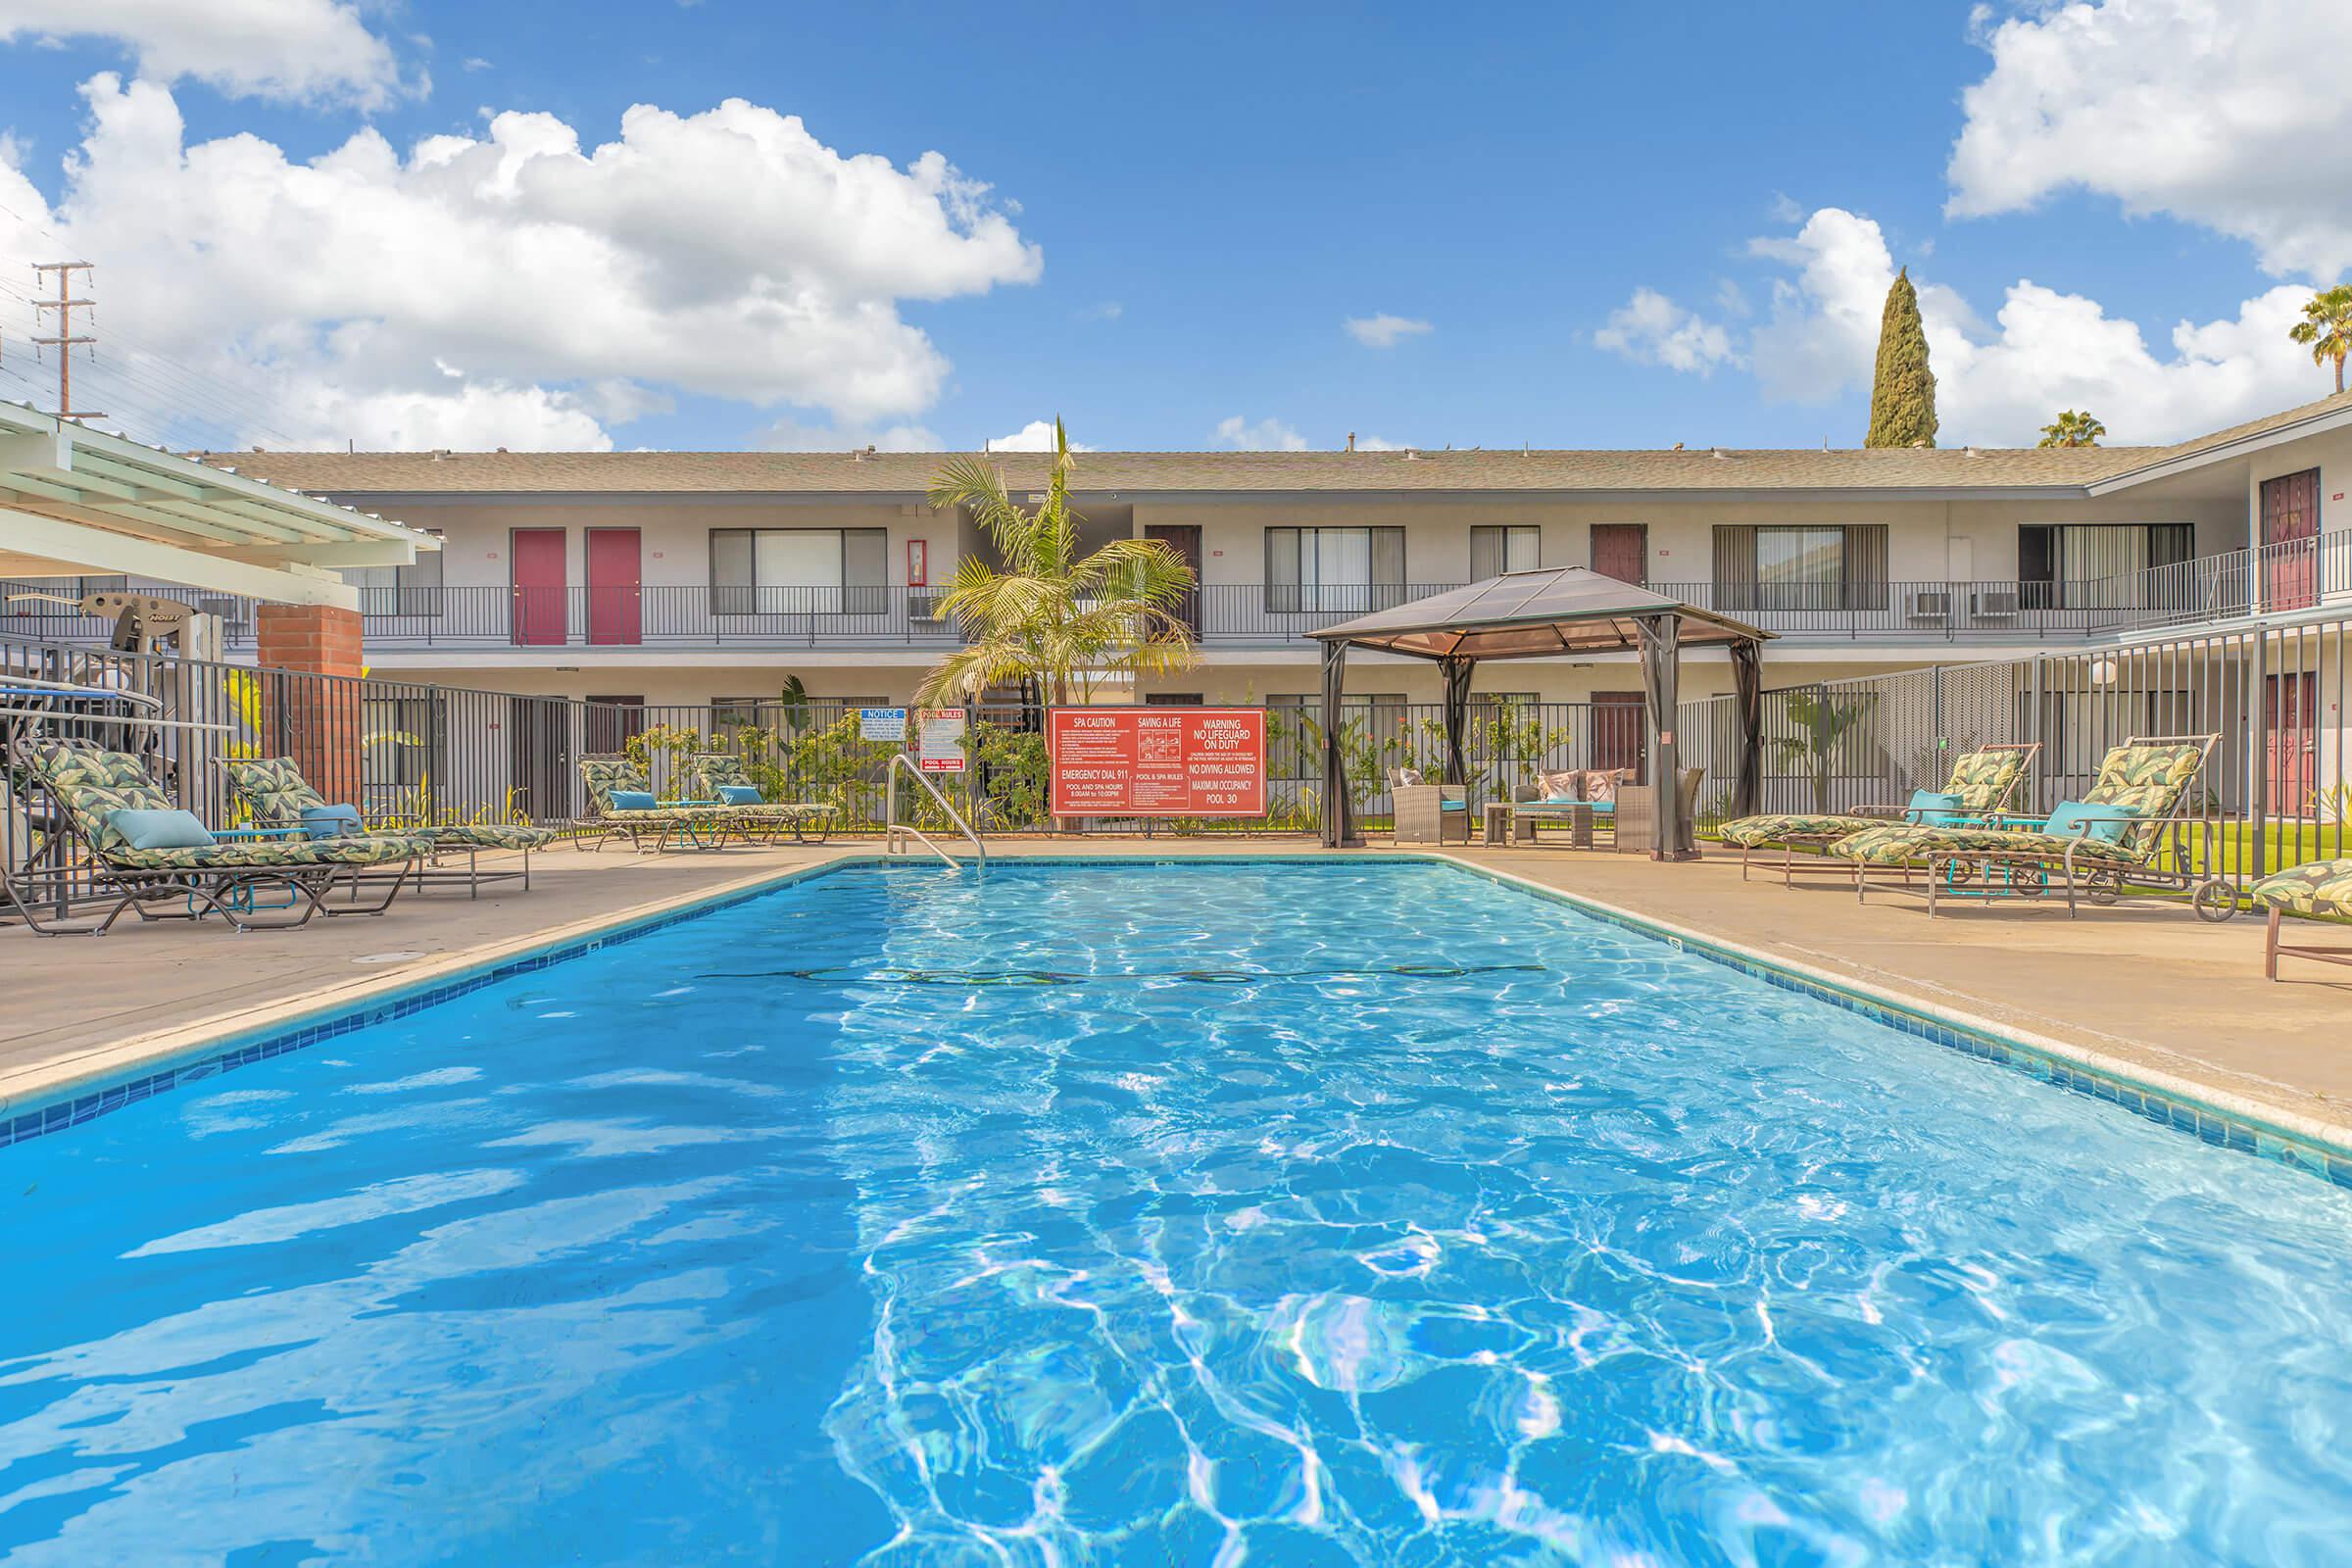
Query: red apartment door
(615,587)
(1618,721)
(536,563)
(2290,539)
(1621,550)
(1185,540)
(2294,743)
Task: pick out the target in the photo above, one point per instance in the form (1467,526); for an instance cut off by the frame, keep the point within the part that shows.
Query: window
(1494,551)
(2097,565)
(410,590)
(1344,570)
(798,571)
(1800,566)
(1295,730)
(406,744)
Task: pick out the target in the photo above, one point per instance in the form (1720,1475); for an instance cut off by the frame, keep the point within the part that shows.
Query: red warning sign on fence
(1158,762)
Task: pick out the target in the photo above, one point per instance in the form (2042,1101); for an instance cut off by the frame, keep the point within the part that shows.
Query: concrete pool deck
(2146,987)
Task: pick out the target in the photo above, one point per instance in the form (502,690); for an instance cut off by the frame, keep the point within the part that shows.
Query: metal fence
(2276,790)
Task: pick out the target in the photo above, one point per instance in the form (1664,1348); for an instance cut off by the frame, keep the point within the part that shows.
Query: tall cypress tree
(1902,394)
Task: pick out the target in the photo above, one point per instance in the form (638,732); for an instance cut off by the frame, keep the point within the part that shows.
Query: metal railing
(895,832)
(2298,576)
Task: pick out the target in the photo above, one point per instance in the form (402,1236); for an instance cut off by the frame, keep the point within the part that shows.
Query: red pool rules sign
(1158,762)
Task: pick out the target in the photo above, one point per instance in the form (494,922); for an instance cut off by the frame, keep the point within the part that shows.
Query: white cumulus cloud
(1035,436)
(1651,329)
(309,51)
(2218,112)
(1998,382)
(1266,435)
(497,276)
(1383,331)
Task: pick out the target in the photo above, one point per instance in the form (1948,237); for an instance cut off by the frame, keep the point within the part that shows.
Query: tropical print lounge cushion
(2323,887)
(488,836)
(1904,844)
(2150,779)
(90,784)
(251,854)
(1753,832)
(272,787)
(1982,779)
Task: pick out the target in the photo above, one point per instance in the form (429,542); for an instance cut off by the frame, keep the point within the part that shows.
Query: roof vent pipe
(1352,440)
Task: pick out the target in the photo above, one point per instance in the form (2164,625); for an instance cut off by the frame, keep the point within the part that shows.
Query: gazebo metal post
(1661,661)
(1339,826)
(1748,681)
(1457,672)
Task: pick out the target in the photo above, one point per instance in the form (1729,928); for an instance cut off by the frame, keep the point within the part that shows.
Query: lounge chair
(703,826)
(711,774)
(1985,780)
(1426,812)
(229,877)
(2320,889)
(275,791)
(2094,853)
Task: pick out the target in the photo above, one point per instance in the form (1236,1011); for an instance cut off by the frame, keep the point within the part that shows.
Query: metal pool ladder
(895,832)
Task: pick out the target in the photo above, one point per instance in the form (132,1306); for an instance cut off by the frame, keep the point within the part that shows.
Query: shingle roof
(904,473)
(901,473)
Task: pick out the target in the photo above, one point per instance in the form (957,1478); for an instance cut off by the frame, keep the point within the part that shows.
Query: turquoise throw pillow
(741,795)
(632,800)
(1933,807)
(159,830)
(330,821)
(2106,823)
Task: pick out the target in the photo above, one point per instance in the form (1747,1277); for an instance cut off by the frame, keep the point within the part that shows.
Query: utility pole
(65,305)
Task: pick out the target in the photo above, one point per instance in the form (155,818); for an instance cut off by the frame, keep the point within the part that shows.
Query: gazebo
(1546,614)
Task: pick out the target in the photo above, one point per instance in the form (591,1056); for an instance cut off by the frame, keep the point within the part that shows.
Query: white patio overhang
(76,501)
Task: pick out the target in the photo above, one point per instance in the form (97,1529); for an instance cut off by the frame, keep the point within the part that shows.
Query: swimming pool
(1293,1214)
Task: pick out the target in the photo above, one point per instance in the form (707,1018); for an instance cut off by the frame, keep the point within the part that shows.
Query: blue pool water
(1271,1214)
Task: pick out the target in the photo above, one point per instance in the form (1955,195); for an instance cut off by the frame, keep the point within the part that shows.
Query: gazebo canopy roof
(1528,614)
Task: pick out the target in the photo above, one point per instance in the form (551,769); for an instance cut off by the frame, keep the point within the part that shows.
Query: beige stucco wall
(675,536)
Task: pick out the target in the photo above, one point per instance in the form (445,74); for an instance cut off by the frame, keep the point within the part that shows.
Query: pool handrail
(892,827)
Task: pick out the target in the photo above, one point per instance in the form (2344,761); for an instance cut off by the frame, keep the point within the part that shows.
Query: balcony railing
(697,615)
(2270,579)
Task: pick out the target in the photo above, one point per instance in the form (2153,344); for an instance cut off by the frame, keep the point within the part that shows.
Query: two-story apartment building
(701,576)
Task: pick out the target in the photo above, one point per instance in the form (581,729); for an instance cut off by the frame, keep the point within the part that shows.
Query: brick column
(311,710)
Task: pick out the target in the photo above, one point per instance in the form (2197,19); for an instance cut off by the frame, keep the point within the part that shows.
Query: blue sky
(1204,196)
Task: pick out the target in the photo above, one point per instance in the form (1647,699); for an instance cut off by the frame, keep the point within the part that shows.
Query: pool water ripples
(1181,1214)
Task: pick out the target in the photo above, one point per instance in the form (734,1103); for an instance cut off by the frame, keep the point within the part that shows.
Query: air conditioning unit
(1992,603)
(1931,603)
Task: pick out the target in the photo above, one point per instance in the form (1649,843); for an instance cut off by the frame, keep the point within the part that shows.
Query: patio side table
(1499,822)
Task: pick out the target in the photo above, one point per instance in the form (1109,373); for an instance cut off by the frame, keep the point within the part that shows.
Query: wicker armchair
(1427,813)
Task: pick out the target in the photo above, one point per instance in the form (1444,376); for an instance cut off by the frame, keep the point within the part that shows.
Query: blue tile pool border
(2166,1106)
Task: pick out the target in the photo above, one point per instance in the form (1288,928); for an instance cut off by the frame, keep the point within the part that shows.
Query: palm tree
(1047,615)
(2326,328)
(2071,430)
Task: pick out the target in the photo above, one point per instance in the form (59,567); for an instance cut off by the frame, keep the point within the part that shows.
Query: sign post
(1158,761)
